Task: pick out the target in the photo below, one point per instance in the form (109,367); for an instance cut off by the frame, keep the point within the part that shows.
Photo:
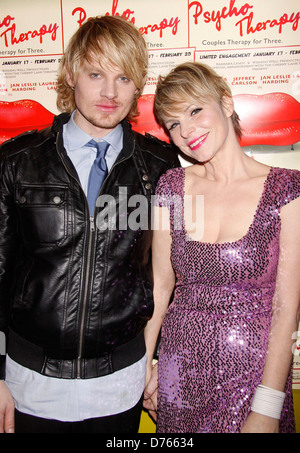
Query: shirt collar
(76,138)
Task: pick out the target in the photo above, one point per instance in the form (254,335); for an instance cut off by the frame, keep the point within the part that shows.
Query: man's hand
(7,410)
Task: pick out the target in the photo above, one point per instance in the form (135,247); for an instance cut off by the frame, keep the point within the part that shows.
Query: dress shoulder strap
(285,186)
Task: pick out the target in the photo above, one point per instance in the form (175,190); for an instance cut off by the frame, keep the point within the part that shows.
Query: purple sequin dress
(215,333)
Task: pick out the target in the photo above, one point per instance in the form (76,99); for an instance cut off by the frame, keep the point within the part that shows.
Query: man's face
(103,97)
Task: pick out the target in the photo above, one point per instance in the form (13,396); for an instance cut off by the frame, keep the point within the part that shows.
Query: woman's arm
(285,314)
(164,282)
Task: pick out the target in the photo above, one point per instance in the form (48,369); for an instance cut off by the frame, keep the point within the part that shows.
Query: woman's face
(200,130)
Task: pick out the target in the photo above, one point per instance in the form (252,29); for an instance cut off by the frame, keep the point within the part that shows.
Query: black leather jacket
(74,300)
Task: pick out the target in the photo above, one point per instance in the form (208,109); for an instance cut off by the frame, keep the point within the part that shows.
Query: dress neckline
(227,243)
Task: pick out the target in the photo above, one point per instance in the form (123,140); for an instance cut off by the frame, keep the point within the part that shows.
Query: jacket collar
(59,122)
(128,139)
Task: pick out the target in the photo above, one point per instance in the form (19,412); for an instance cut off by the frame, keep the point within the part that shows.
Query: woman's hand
(150,394)
(257,423)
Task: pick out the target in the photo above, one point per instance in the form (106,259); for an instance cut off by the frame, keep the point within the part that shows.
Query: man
(75,297)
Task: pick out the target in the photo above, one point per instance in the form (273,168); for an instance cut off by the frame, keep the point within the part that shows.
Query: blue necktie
(98,172)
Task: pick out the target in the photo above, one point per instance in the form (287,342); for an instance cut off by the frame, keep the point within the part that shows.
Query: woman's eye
(195,111)
(172,126)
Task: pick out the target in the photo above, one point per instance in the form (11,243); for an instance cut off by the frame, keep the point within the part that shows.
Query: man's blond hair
(109,37)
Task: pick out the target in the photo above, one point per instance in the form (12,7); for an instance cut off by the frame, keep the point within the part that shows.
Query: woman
(226,345)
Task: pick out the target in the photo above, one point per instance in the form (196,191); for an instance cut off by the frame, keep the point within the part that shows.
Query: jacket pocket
(42,213)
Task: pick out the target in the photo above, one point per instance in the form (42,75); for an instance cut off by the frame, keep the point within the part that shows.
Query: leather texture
(65,286)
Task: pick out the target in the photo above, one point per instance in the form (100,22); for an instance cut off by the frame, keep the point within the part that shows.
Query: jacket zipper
(91,234)
(85,293)
(89,250)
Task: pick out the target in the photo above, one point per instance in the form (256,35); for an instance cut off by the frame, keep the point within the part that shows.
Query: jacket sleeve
(8,241)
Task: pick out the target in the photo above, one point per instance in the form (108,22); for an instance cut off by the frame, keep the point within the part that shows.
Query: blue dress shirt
(83,157)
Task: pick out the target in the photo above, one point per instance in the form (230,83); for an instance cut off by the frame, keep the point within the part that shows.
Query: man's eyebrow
(94,68)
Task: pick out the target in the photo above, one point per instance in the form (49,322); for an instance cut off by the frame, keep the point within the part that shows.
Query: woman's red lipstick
(198,142)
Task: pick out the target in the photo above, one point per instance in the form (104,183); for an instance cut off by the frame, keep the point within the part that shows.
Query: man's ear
(69,79)
(228,106)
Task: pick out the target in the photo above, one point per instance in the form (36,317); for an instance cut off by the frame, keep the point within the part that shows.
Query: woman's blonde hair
(114,38)
(191,82)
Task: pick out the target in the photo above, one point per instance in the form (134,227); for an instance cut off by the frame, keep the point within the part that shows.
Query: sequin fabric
(215,333)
